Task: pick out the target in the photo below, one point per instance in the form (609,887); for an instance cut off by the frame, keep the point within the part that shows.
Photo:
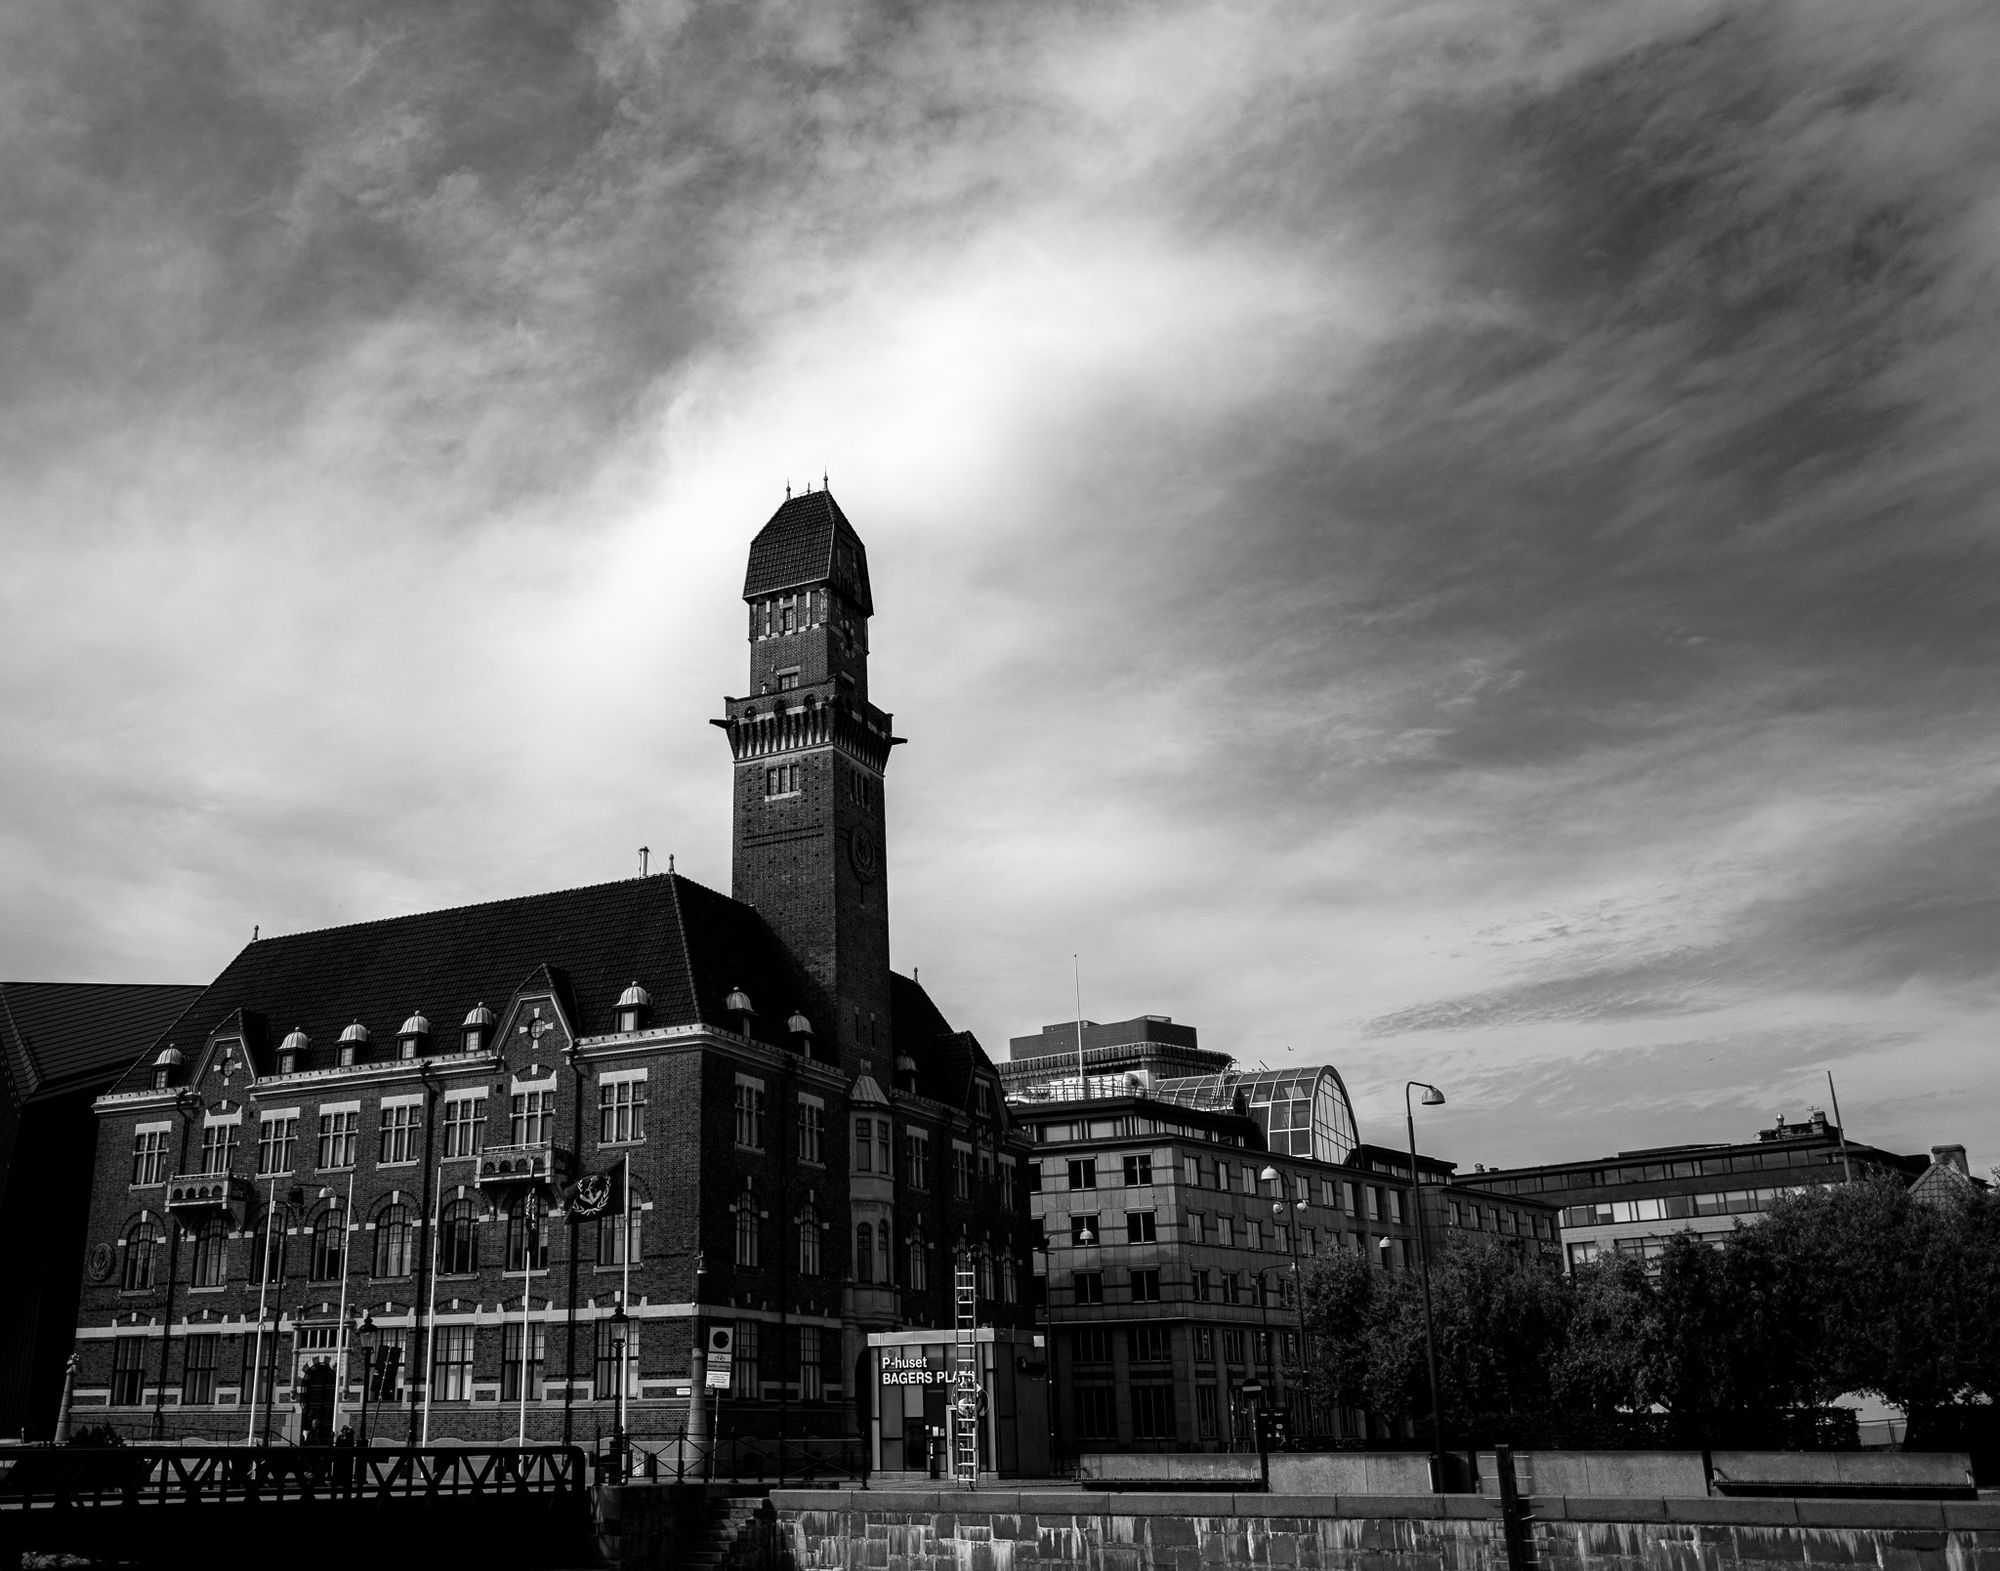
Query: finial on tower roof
(788,490)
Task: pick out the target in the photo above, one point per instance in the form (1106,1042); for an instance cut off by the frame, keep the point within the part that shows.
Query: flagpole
(263,1292)
(527,1268)
(346,1243)
(625,1301)
(430,1311)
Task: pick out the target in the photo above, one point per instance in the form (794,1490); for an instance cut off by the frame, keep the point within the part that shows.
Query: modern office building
(1170,1263)
(1634,1201)
(498,1170)
(61,1045)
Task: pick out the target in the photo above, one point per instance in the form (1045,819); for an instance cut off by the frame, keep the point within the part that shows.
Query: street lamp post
(620,1322)
(1433,1097)
(1298,1208)
(366,1335)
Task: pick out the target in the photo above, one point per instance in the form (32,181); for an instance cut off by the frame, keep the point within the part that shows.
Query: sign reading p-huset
(904,1371)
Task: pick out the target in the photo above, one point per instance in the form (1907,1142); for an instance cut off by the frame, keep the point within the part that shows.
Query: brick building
(512,1156)
(1170,1263)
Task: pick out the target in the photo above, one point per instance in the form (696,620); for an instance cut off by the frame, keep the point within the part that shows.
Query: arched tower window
(211,1253)
(458,1239)
(394,1242)
(329,1237)
(142,1245)
(528,1234)
(748,1232)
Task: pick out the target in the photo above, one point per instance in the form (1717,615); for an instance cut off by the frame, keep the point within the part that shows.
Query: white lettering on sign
(918,1375)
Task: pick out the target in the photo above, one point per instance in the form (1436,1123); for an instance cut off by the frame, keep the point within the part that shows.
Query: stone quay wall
(1074,1530)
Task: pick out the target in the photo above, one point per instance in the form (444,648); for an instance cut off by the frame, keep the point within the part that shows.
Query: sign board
(718,1379)
(900,1370)
(721,1339)
(1252,1388)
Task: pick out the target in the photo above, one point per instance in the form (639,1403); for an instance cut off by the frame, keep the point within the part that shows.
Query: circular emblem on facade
(102,1258)
(862,851)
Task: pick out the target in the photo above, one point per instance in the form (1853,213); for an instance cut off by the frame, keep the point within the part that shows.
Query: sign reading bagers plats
(902,1371)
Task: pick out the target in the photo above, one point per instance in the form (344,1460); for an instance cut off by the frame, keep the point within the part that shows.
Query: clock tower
(810,751)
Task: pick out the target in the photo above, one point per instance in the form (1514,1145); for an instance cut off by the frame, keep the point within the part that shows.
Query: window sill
(620,1145)
(221,1287)
(405,1162)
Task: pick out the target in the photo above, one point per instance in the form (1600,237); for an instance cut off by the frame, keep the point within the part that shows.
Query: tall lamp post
(365,1334)
(1271,1175)
(1433,1097)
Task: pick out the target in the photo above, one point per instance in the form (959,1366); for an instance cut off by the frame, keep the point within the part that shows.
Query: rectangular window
(1225,1231)
(1010,1190)
(510,1360)
(747,1380)
(621,1111)
(277,1142)
(337,1134)
(917,1154)
(864,1145)
(1150,1344)
(464,1125)
(218,1146)
(812,1125)
(1248,1176)
(1204,1344)
(1096,1412)
(451,1363)
(531,1117)
(149,1154)
(1083,1229)
(1083,1173)
(400,1134)
(812,1384)
(1222,1175)
(1140,1227)
(1233,1347)
(1191,1171)
(604,1375)
(1201,1286)
(128,1371)
(385,1369)
(1396,1208)
(1139,1169)
(1146,1287)
(1207,1413)
(1232,1287)
(883,1164)
(961,1171)
(1090,1287)
(1152,1412)
(1373,1199)
(749,1113)
(1348,1202)
(788,681)
(1092,1345)
(782,779)
(198,1369)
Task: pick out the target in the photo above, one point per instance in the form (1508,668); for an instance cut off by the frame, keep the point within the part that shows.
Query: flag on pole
(594,1195)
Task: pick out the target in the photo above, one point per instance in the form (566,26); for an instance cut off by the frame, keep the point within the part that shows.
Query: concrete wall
(1078,1530)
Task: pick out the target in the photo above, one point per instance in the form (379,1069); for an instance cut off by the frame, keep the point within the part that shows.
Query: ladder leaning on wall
(965,1376)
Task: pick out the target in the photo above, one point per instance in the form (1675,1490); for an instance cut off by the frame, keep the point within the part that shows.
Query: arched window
(267,1260)
(394,1242)
(142,1244)
(864,1253)
(329,1236)
(528,1234)
(1010,1282)
(918,1259)
(884,1271)
(982,1264)
(211,1253)
(748,1240)
(458,1239)
(809,1239)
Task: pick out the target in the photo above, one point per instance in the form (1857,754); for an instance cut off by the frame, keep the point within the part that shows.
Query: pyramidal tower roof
(809,541)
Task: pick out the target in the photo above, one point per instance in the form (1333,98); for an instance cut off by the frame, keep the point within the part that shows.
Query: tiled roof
(945,1058)
(687,945)
(797,548)
(66,1036)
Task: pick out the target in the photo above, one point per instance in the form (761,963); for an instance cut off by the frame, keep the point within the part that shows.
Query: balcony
(196,1194)
(502,1166)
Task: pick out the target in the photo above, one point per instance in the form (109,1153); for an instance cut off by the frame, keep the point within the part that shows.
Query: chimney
(1950,1156)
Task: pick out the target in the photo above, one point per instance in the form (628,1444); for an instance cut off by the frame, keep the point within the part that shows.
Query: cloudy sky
(1454,539)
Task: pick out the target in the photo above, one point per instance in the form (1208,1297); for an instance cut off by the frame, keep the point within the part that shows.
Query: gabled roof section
(73,1036)
(809,541)
(685,944)
(945,1058)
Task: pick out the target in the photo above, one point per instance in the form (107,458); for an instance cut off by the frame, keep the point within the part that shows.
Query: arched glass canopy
(1303,1112)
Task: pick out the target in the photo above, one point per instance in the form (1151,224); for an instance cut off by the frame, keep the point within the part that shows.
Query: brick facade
(746,1210)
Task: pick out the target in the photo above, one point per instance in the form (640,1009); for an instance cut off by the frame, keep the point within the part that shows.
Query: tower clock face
(863,852)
